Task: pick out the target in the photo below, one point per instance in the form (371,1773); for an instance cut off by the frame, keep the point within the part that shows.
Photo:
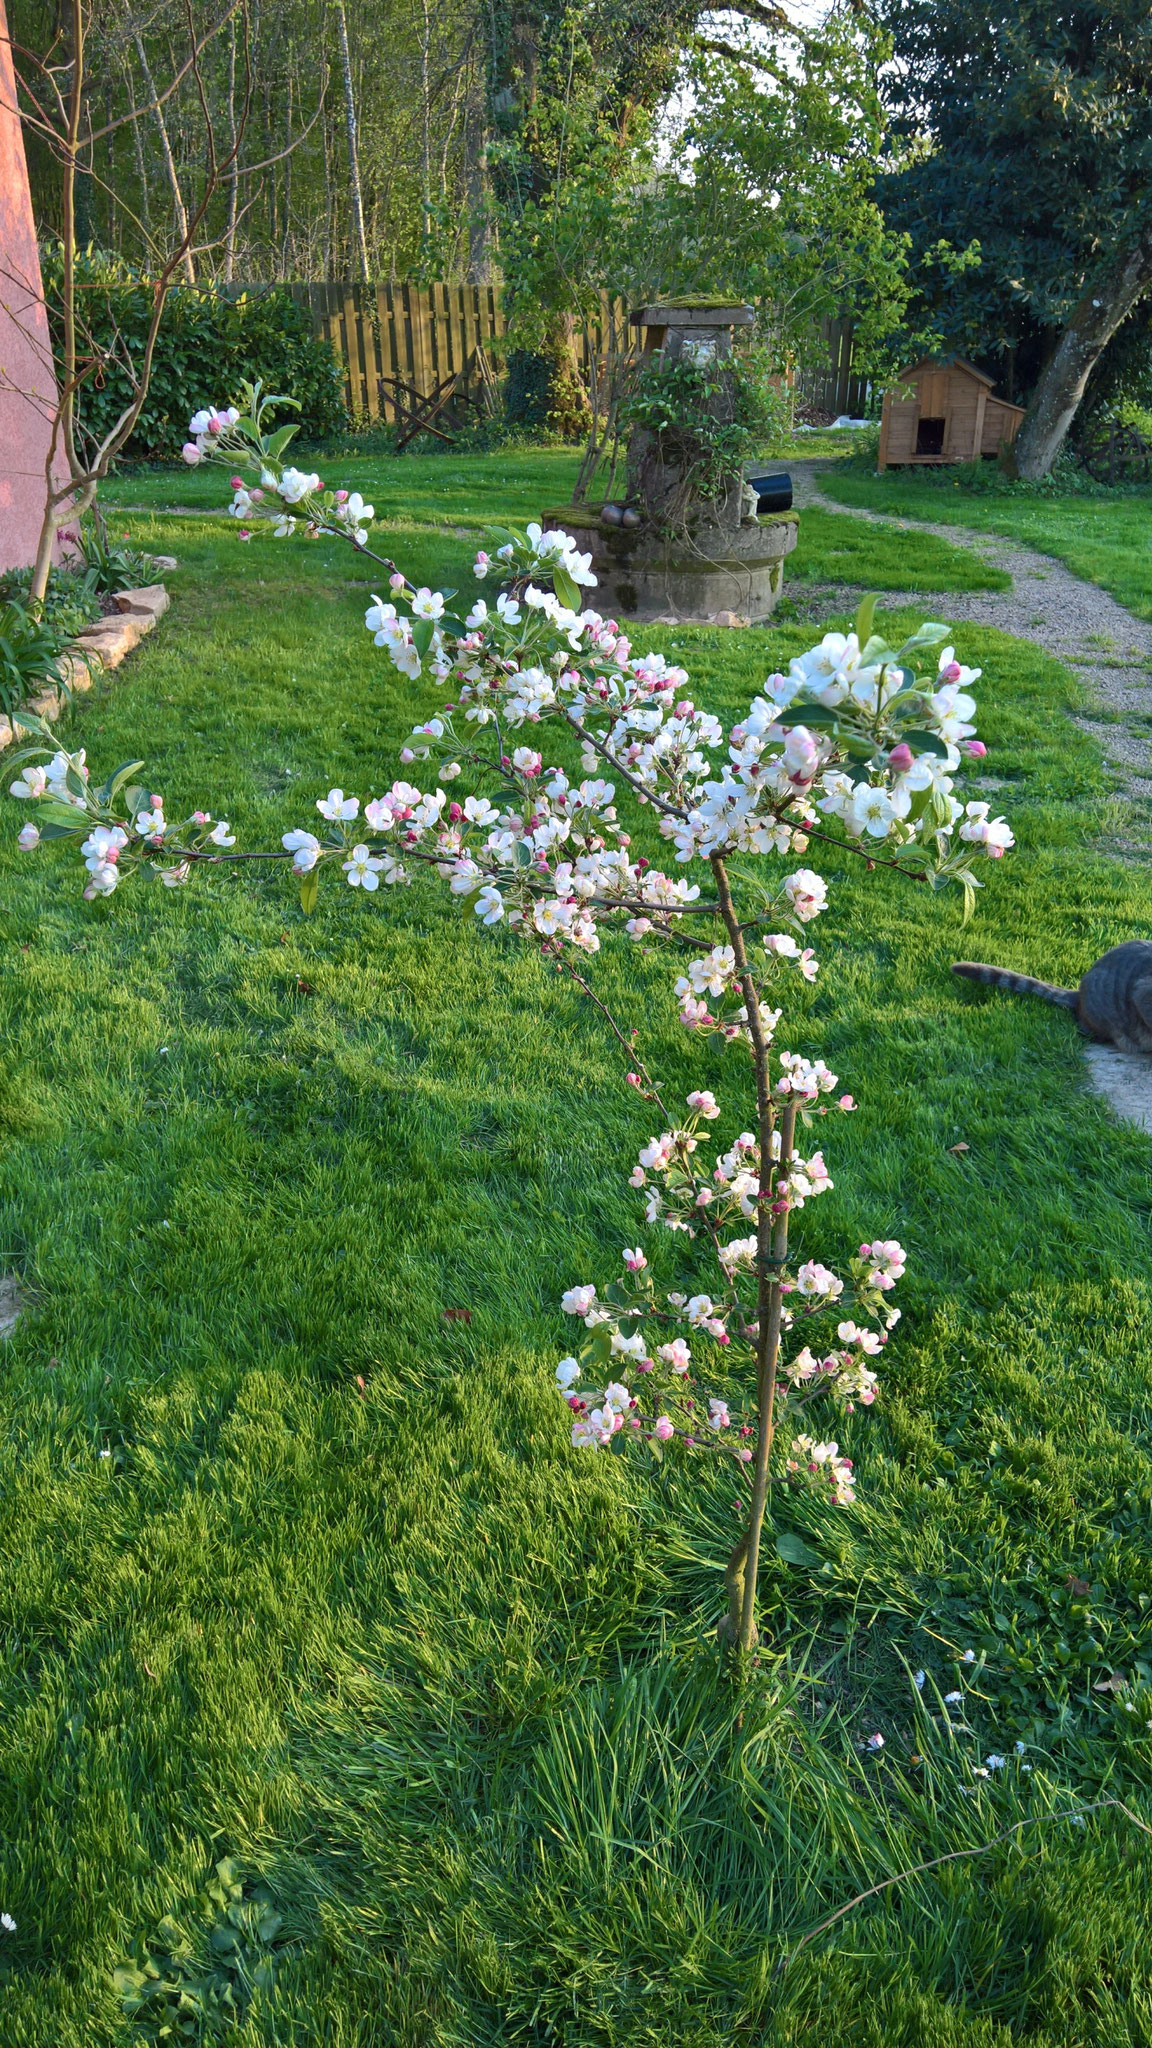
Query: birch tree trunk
(234,174)
(353,148)
(1056,399)
(188,266)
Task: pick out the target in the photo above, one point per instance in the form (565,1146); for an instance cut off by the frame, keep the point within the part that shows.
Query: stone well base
(642,576)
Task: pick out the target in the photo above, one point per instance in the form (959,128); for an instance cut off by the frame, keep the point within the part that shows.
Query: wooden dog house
(945,412)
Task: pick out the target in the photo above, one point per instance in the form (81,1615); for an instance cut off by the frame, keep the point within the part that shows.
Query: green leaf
(28,722)
(864,618)
(925,742)
(422,631)
(601,1344)
(800,712)
(117,780)
(564,587)
(49,812)
(127,1978)
(278,441)
(309,891)
(793,1550)
(873,649)
(657,1450)
(928,635)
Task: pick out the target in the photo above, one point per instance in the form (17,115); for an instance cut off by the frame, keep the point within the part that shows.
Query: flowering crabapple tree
(856,748)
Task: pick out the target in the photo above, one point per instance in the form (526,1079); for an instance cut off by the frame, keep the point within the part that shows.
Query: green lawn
(470,493)
(1107,540)
(341,1603)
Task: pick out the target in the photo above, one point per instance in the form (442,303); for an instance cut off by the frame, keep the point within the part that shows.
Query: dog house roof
(929,363)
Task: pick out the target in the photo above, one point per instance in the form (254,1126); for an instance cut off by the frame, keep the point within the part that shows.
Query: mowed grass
(833,548)
(1105,540)
(340,1601)
(464,495)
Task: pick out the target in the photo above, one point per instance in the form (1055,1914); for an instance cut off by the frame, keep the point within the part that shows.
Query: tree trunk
(353,150)
(233,173)
(1057,396)
(169,160)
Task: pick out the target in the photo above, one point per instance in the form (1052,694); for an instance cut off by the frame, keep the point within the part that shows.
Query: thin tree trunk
(189,267)
(738,1627)
(425,125)
(234,173)
(475,186)
(353,150)
(141,170)
(1057,396)
(287,179)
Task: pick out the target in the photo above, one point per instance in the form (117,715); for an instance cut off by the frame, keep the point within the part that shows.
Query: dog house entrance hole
(929,437)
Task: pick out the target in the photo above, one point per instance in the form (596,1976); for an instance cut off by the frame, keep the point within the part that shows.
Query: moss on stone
(697,305)
(574,515)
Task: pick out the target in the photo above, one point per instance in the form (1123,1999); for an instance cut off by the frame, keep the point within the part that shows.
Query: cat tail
(1017,984)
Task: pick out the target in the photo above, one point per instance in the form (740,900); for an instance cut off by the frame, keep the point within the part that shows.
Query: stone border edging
(102,645)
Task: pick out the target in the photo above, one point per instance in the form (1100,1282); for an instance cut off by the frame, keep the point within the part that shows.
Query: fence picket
(421,334)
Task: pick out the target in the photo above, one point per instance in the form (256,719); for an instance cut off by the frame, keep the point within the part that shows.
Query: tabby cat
(1113,1002)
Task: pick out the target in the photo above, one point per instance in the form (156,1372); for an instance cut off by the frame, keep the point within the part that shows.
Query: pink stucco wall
(27,385)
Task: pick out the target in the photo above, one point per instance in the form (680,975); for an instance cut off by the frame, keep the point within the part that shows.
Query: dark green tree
(1035,130)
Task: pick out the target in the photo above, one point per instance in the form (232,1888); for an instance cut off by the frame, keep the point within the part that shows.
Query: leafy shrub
(262,332)
(71,602)
(108,565)
(29,647)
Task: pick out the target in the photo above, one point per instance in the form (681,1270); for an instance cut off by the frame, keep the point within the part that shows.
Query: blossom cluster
(859,744)
(684,1353)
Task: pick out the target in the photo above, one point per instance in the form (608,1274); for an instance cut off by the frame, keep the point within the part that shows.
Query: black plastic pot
(773,492)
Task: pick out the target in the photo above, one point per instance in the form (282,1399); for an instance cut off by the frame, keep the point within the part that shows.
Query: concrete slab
(1124,1079)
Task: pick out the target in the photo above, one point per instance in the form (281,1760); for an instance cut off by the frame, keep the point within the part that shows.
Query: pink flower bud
(341,497)
(28,837)
(237,483)
(191,453)
(745,1457)
(407,755)
(901,757)
(952,673)
(396,581)
(664,1429)
(455,813)
(976,748)
(255,496)
(634,1080)
(201,817)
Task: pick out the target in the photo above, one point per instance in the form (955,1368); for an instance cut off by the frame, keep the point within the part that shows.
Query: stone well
(721,557)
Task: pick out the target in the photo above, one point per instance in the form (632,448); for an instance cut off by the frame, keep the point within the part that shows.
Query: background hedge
(208,344)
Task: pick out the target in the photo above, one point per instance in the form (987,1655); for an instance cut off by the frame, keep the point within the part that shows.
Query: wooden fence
(833,386)
(419,335)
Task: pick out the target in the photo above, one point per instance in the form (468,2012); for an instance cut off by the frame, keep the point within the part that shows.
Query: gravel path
(1112,651)
(1077,622)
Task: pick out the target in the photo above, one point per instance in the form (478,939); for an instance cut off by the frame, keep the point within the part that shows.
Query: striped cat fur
(1113,1002)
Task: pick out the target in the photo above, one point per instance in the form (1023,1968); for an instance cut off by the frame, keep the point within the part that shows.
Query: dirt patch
(12,1304)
